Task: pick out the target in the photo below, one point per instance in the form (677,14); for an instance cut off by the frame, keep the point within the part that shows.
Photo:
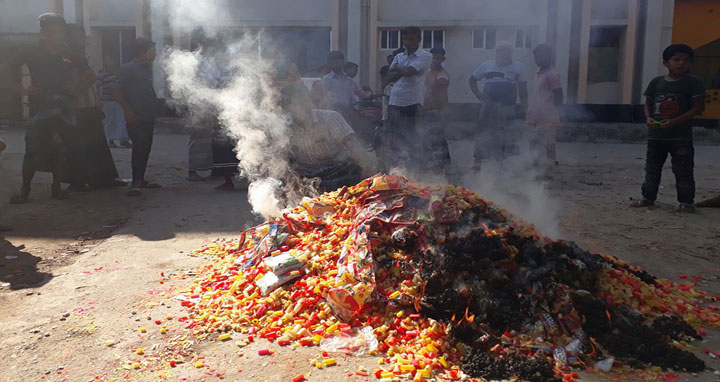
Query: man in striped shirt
(114,121)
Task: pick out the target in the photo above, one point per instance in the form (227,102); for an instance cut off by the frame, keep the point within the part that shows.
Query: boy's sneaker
(686,208)
(642,203)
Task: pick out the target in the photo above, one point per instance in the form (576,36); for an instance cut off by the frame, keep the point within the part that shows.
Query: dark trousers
(403,137)
(89,157)
(435,145)
(141,135)
(682,155)
(335,176)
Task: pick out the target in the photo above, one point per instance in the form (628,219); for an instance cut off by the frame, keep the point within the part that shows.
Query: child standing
(547,94)
(672,102)
(437,83)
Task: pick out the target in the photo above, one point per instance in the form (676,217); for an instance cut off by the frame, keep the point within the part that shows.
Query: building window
(603,62)
(390,39)
(433,39)
(523,38)
(117,46)
(484,38)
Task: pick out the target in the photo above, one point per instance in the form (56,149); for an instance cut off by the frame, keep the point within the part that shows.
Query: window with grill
(523,38)
(433,39)
(390,39)
(484,38)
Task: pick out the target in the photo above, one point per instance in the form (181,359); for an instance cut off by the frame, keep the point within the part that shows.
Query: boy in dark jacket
(672,102)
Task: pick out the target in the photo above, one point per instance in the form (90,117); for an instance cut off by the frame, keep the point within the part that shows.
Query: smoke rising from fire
(246,107)
(518,184)
(245,102)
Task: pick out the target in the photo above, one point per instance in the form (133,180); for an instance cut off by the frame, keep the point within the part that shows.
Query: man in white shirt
(402,138)
(505,80)
(340,90)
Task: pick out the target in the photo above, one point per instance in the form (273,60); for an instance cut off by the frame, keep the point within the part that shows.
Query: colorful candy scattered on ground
(438,282)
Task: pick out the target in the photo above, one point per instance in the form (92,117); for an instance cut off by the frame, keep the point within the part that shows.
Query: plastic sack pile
(437,281)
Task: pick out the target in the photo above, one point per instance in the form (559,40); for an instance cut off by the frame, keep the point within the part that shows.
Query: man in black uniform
(52,102)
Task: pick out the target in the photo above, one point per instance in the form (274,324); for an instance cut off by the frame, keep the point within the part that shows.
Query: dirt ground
(79,278)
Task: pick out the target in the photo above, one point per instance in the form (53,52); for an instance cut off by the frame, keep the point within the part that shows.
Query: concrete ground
(80,277)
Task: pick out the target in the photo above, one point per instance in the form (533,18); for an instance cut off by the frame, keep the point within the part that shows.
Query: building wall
(357,26)
(462,59)
(454,12)
(696,23)
(111,13)
(22,16)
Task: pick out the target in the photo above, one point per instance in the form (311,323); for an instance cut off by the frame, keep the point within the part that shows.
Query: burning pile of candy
(436,280)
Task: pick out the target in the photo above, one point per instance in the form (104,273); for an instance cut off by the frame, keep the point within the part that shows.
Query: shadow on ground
(19,268)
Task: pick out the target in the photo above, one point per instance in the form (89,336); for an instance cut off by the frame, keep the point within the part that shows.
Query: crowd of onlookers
(77,114)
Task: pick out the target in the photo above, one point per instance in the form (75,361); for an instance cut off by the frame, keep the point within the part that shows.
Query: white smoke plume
(246,107)
(518,183)
(245,103)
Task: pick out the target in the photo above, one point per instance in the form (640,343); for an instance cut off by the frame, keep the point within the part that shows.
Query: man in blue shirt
(137,97)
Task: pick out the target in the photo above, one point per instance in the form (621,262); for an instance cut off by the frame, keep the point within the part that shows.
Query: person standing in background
(339,89)
(543,115)
(505,79)
(385,68)
(91,164)
(387,86)
(672,101)
(114,122)
(351,69)
(403,137)
(58,76)
(437,83)
(141,106)
(200,146)
(316,89)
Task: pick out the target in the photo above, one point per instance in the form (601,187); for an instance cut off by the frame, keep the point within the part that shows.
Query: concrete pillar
(80,13)
(627,66)
(355,38)
(143,26)
(372,41)
(562,40)
(652,45)
(585,24)
(543,27)
(155,22)
(363,40)
(343,27)
(69,11)
(334,24)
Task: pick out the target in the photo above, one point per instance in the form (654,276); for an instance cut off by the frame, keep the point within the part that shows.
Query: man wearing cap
(136,95)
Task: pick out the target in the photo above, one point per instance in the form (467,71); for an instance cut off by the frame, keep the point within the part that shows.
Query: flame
(592,345)
(488,231)
(419,298)
(453,318)
(467,310)
(609,317)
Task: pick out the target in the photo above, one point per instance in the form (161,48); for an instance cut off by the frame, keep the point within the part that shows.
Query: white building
(606,50)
